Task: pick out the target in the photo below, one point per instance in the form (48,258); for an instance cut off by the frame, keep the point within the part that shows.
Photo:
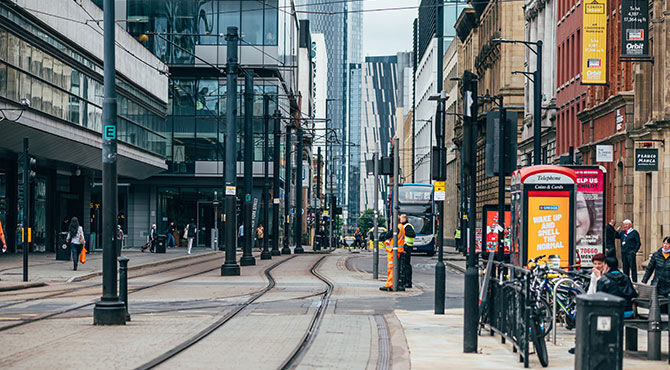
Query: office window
(252,23)
(207,99)
(207,23)
(271,18)
(229,16)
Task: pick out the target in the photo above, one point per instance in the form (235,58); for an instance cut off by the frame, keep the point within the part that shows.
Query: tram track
(295,355)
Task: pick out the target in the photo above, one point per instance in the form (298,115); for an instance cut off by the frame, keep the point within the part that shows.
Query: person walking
(409,235)
(3,241)
(388,286)
(152,239)
(189,233)
(630,244)
(170,235)
(615,283)
(610,235)
(659,265)
(260,235)
(75,237)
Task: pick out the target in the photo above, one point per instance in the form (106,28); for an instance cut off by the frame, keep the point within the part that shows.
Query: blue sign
(109,132)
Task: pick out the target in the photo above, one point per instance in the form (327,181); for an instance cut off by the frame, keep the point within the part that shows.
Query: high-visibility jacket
(409,240)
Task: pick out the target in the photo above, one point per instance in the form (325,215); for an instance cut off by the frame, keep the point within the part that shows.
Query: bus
(416,200)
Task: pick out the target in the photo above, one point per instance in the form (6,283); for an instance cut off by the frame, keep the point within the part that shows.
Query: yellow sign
(594,42)
(439,186)
(549,226)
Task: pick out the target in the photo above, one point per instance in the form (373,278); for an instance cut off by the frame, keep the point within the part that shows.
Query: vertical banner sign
(634,29)
(594,42)
(589,213)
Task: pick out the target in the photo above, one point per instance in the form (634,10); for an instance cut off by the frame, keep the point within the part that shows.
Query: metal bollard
(654,332)
(123,283)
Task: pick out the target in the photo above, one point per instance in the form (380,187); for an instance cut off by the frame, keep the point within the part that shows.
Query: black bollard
(123,283)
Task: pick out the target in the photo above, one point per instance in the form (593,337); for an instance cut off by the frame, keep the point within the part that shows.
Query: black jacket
(618,284)
(660,267)
(409,230)
(610,235)
(630,243)
(152,234)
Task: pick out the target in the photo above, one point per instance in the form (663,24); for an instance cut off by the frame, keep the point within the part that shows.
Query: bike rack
(561,281)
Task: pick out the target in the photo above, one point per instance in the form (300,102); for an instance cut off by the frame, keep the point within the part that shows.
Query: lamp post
(537,95)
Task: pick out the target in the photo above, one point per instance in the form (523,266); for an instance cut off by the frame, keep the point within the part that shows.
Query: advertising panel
(589,213)
(491,228)
(594,42)
(549,225)
(634,29)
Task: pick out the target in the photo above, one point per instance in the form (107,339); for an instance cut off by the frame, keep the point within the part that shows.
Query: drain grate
(384,360)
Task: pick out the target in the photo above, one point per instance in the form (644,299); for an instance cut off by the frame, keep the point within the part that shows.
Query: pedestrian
(616,283)
(388,286)
(170,235)
(597,272)
(152,240)
(2,239)
(610,235)
(189,233)
(119,239)
(408,239)
(260,235)
(75,237)
(630,244)
(457,239)
(659,265)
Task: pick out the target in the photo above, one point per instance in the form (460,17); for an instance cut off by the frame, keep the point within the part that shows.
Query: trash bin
(599,332)
(161,243)
(62,247)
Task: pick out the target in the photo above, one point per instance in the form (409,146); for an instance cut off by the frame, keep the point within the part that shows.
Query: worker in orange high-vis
(389,258)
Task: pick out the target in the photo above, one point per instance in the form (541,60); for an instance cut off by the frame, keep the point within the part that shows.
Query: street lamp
(440,149)
(537,93)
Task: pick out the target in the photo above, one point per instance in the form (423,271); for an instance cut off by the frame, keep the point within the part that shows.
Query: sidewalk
(436,341)
(43,267)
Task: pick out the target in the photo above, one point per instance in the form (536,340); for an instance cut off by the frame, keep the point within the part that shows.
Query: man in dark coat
(610,235)
(630,244)
(615,283)
(659,265)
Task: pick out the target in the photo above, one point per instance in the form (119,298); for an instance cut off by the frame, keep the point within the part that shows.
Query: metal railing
(508,307)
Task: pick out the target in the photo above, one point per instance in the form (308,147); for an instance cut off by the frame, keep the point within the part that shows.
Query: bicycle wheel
(544,316)
(539,344)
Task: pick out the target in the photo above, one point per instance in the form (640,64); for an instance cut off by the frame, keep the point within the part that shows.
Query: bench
(651,322)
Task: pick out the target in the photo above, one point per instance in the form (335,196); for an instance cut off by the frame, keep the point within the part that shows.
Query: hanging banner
(646,159)
(594,42)
(634,29)
(589,212)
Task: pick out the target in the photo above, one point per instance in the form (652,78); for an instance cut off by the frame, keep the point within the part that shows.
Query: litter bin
(161,243)
(599,332)
(62,247)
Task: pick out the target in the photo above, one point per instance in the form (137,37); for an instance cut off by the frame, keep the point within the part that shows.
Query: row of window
(569,57)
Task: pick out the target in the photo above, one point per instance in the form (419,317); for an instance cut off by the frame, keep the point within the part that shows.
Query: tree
(366,220)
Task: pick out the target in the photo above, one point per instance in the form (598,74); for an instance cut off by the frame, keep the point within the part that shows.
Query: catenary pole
(501,181)
(287,193)
(440,272)
(318,235)
(247,238)
(275,189)
(265,254)
(230,266)
(393,223)
(109,310)
(298,192)
(375,220)
(537,107)
(26,230)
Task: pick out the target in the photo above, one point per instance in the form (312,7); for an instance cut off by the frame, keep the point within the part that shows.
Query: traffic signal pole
(109,310)
(375,220)
(26,230)
(393,223)
(275,189)
(230,267)
(537,106)
(501,181)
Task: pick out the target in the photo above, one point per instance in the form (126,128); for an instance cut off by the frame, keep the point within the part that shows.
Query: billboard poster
(594,42)
(634,29)
(589,213)
(549,225)
(478,240)
(491,228)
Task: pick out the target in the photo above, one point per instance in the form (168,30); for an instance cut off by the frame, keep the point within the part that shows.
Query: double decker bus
(416,200)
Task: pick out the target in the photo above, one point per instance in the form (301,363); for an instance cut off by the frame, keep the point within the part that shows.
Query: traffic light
(493,141)
(333,201)
(387,166)
(32,168)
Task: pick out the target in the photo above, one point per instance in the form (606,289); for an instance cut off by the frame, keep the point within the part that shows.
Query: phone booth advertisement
(589,212)
(491,228)
(545,197)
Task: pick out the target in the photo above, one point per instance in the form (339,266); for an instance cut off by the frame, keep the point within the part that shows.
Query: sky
(388,32)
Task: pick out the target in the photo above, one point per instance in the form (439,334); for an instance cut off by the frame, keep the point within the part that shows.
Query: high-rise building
(353,146)
(341,24)
(379,93)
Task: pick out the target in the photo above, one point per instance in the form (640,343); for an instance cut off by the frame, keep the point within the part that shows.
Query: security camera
(25,102)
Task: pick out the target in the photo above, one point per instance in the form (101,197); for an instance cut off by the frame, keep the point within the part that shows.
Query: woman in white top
(75,237)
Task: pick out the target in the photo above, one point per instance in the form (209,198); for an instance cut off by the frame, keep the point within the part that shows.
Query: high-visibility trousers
(389,265)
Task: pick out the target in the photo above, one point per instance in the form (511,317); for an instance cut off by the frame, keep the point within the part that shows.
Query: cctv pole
(375,220)
(298,193)
(537,107)
(26,230)
(230,266)
(393,223)
(109,310)
(247,239)
(287,193)
(275,189)
(265,254)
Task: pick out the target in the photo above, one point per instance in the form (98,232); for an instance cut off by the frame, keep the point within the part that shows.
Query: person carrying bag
(75,237)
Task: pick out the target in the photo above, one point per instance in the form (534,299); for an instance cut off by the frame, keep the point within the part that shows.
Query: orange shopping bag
(82,255)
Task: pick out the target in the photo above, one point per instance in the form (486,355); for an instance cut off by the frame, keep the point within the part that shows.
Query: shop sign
(594,42)
(646,159)
(634,29)
(604,153)
(620,119)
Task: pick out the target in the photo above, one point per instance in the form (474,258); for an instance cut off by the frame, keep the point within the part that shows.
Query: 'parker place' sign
(646,159)
(635,29)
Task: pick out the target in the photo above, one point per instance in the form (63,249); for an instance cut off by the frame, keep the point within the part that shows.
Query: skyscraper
(341,24)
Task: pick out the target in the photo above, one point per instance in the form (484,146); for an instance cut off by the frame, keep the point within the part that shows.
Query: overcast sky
(388,32)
